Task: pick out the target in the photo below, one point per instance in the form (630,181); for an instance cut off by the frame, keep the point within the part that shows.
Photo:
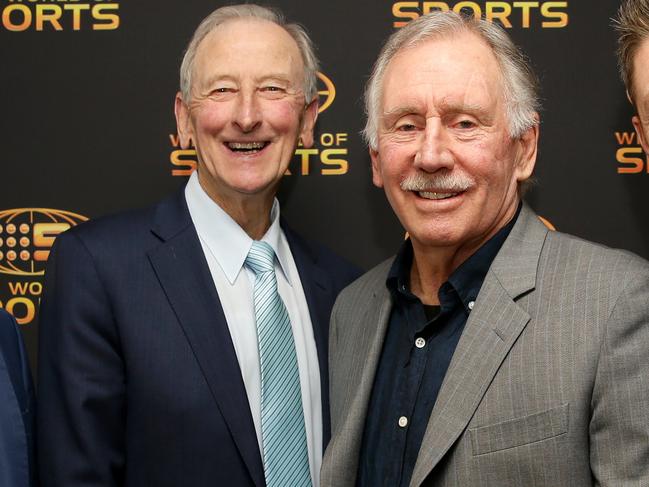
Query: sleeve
(16,408)
(619,426)
(81,375)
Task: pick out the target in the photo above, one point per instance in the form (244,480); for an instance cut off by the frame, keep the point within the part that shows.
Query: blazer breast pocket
(520,431)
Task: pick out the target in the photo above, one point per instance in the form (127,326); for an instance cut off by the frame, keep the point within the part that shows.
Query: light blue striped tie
(286,459)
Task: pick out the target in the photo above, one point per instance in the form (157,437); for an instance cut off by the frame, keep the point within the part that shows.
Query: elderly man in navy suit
(16,407)
(186,344)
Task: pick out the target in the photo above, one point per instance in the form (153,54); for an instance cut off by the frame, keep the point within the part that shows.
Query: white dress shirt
(226,245)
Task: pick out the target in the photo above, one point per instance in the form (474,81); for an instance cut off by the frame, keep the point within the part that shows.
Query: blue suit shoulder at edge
(12,352)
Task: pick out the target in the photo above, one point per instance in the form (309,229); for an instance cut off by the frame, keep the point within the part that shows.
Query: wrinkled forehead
(458,67)
(247,43)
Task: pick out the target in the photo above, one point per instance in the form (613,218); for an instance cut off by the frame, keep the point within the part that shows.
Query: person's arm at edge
(81,382)
(619,426)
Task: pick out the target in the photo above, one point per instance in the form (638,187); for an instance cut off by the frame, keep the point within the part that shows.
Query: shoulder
(110,248)
(126,234)
(366,286)
(573,254)
(123,227)
(593,274)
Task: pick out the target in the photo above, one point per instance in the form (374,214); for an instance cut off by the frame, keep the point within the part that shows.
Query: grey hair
(632,25)
(520,84)
(251,11)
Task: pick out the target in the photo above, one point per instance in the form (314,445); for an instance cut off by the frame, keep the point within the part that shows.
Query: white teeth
(436,196)
(246,145)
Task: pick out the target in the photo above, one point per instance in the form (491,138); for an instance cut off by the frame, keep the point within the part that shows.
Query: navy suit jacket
(139,384)
(16,407)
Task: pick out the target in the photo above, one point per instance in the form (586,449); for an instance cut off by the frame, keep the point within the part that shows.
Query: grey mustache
(436,182)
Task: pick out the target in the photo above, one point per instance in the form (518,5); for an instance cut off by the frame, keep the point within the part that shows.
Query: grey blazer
(549,383)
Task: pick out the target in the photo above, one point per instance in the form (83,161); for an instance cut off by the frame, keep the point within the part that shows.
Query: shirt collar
(225,239)
(398,279)
(466,280)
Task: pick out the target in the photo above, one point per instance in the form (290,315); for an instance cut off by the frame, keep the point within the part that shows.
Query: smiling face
(641,93)
(444,155)
(247,109)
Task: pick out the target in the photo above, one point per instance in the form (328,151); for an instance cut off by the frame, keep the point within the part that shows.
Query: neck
(430,269)
(433,265)
(251,212)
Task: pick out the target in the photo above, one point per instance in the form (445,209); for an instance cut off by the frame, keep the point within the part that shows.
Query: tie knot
(261,257)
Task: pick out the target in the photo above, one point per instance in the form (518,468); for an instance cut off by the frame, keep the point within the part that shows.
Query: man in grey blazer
(490,351)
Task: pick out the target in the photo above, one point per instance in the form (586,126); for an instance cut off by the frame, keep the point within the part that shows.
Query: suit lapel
(491,330)
(368,352)
(317,290)
(183,272)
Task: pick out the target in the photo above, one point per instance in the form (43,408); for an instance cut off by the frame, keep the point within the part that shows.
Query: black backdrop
(87,91)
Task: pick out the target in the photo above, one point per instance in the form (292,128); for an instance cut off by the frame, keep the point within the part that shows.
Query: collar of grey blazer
(518,259)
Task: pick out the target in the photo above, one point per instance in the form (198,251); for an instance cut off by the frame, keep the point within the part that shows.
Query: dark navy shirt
(418,347)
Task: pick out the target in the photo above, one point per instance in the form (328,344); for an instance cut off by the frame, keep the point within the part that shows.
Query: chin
(433,228)
(435,238)
(257,187)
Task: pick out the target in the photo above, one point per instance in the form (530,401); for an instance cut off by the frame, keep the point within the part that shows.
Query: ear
(183,122)
(637,124)
(308,123)
(529,142)
(377,177)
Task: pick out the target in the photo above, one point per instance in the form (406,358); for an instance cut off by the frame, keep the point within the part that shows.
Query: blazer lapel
(491,330)
(317,290)
(352,424)
(184,275)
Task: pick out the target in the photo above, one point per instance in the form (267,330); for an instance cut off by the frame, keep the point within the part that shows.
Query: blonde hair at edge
(632,24)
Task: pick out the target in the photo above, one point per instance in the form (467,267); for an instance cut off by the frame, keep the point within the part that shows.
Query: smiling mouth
(429,195)
(246,147)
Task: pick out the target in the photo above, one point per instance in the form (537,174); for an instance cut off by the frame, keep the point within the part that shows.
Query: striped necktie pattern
(286,459)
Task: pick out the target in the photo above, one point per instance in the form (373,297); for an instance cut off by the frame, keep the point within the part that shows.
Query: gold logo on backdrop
(525,14)
(45,15)
(328,92)
(547,223)
(630,157)
(26,236)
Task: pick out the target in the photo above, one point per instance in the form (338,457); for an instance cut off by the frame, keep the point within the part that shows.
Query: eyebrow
(460,108)
(226,77)
(390,117)
(444,105)
(399,112)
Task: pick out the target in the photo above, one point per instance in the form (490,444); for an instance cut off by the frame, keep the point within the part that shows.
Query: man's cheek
(392,154)
(283,113)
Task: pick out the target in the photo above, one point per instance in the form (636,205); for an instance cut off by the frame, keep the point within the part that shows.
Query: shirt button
(471,304)
(420,342)
(403,421)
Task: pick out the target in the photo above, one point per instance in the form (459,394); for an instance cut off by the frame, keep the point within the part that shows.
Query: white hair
(520,84)
(251,11)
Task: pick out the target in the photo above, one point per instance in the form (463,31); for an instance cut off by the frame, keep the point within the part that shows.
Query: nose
(434,151)
(248,112)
